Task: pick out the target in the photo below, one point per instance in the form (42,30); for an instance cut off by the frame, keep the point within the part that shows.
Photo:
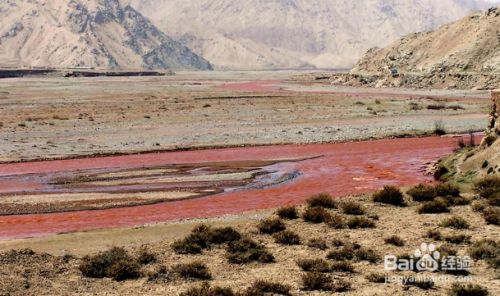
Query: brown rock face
(494,120)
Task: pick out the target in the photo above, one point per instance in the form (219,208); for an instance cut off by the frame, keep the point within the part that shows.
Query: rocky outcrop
(494,127)
(104,34)
(464,55)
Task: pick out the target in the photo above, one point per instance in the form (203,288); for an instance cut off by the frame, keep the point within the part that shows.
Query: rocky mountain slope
(463,54)
(259,34)
(87,33)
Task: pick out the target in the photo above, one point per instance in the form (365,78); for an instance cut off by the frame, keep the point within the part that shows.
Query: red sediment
(341,169)
(260,86)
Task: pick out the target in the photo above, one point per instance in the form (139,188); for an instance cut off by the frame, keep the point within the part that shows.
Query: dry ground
(59,117)
(25,274)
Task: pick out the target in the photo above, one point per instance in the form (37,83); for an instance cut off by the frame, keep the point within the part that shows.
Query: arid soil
(24,273)
(59,118)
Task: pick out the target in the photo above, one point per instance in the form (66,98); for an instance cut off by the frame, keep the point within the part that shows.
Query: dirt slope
(463,54)
(92,33)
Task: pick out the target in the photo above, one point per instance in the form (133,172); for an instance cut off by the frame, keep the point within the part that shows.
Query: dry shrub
(459,289)
(289,213)
(492,216)
(246,251)
(322,200)
(437,206)
(488,250)
(145,257)
(352,208)
(316,281)
(360,222)
(389,195)
(422,192)
(489,188)
(194,270)
(206,290)
(264,287)
(287,237)
(342,266)
(456,223)
(317,243)
(202,237)
(375,277)
(316,215)
(345,253)
(366,254)
(458,239)
(424,284)
(395,241)
(114,263)
(314,265)
(271,225)
(447,189)
(337,221)
(434,234)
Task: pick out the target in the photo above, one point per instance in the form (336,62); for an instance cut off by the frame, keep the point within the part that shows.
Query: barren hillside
(263,34)
(463,54)
(86,33)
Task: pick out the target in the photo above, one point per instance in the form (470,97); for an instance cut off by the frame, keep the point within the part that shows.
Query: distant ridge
(102,34)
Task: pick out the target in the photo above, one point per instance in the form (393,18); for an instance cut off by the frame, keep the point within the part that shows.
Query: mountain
(87,33)
(463,54)
(263,34)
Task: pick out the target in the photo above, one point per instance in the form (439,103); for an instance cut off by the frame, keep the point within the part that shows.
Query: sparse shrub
(315,265)
(489,188)
(316,281)
(456,223)
(479,205)
(194,270)
(492,216)
(395,241)
(246,251)
(289,213)
(447,189)
(322,200)
(342,266)
(365,254)
(422,193)
(145,257)
(447,250)
(389,195)
(287,237)
(375,277)
(202,237)
(161,273)
(337,242)
(424,284)
(206,290)
(485,249)
(457,201)
(439,129)
(114,263)
(437,206)
(352,208)
(336,221)
(186,246)
(263,287)
(459,289)
(271,225)
(316,215)
(345,253)
(360,222)
(434,234)
(317,243)
(223,235)
(440,172)
(458,239)
(195,242)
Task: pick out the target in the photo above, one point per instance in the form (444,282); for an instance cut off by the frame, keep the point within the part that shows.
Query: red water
(259,86)
(341,169)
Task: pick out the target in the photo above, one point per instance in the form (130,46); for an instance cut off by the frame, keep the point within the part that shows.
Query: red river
(339,169)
